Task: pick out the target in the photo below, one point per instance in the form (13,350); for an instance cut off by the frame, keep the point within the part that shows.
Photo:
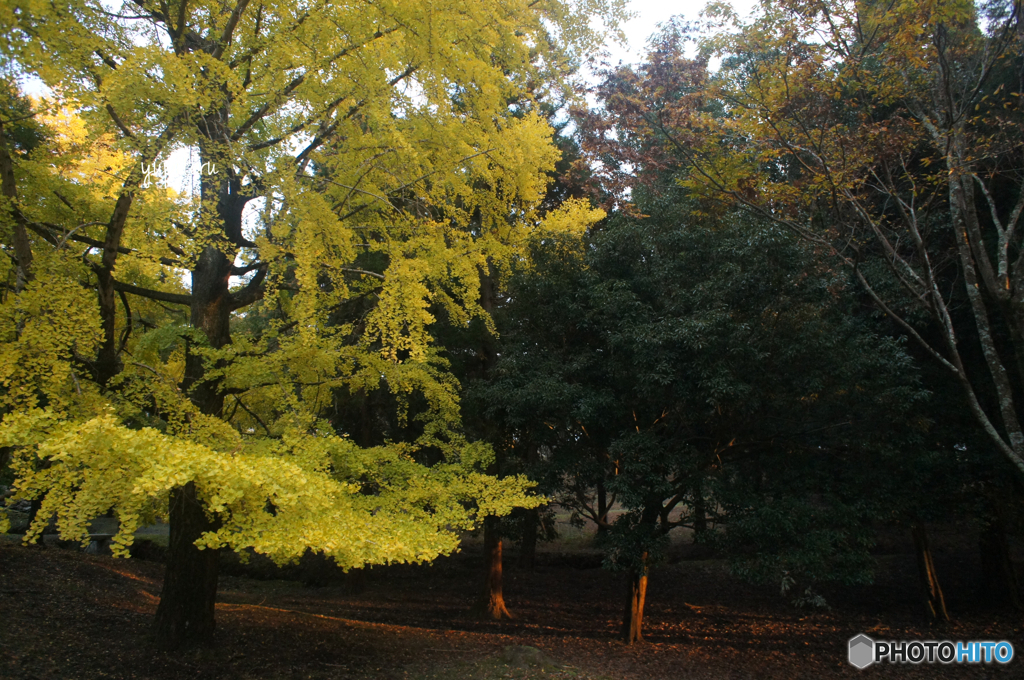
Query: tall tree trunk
(999,578)
(492,601)
(528,547)
(531,523)
(34,506)
(636,594)
(186,611)
(188,599)
(8,188)
(602,507)
(700,512)
(934,599)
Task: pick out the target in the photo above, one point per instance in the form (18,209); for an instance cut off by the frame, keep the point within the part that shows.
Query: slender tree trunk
(8,188)
(934,599)
(528,548)
(531,525)
(636,594)
(185,614)
(700,512)
(963,217)
(492,601)
(365,421)
(999,578)
(602,507)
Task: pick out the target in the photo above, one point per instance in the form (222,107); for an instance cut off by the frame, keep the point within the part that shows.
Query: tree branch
(173,298)
(252,292)
(229,29)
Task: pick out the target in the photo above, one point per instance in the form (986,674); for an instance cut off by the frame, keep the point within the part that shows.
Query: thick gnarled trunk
(186,612)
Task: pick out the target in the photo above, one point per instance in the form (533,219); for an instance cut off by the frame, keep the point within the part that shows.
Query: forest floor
(65,614)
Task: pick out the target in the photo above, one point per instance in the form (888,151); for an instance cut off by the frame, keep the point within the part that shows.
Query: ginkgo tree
(359,167)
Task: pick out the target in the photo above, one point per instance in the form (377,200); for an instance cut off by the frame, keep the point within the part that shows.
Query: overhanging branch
(160,296)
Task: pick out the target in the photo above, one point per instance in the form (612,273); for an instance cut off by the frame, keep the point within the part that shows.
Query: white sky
(650,13)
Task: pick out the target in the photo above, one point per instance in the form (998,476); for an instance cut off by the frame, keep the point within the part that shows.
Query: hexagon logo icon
(862,651)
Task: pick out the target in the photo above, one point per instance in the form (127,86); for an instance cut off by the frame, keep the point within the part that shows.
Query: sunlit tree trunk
(934,599)
(636,594)
(639,568)
(492,601)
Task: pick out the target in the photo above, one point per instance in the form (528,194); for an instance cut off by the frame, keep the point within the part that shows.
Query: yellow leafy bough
(277,497)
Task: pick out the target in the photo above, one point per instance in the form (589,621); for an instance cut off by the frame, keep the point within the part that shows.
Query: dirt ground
(66,614)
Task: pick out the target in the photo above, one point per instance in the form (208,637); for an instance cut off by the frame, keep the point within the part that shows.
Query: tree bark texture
(934,599)
(186,612)
(636,594)
(492,601)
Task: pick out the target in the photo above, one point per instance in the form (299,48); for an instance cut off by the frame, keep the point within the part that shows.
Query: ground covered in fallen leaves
(65,614)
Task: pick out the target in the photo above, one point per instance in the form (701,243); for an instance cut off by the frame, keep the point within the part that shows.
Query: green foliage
(709,373)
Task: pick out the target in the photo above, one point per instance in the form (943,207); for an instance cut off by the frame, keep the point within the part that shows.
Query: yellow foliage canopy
(359,167)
